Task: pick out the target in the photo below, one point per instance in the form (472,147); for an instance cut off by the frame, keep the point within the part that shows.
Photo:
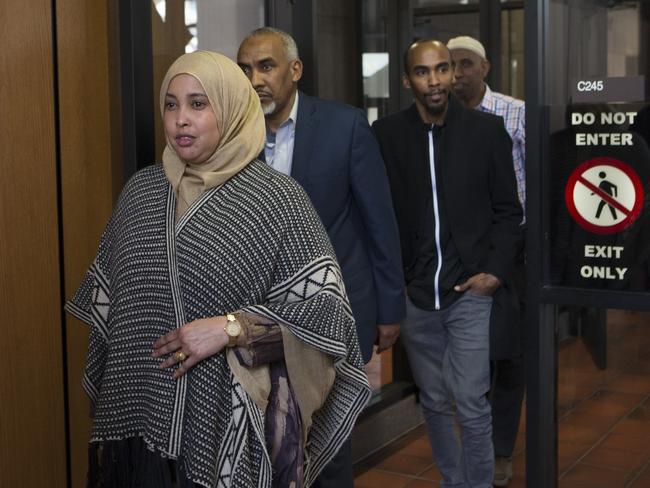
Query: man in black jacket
(455,198)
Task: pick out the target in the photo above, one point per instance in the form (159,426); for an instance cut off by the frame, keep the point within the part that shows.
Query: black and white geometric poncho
(254,243)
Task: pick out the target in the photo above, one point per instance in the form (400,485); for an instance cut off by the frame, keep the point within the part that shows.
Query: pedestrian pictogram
(604,195)
(609,188)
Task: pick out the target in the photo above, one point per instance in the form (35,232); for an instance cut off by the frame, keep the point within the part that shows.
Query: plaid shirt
(513,112)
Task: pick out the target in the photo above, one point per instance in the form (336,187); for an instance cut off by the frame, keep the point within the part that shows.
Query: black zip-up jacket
(479,190)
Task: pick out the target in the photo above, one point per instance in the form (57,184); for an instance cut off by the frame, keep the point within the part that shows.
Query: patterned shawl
(254,243)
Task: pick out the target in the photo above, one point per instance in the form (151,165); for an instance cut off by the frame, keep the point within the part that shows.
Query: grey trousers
(449,353)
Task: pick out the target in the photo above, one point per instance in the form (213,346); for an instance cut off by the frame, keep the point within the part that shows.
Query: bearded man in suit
(329,148)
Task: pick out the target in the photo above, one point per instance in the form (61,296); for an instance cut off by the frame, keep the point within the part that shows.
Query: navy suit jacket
(337,161)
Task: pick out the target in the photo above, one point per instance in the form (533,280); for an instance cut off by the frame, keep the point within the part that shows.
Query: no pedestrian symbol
(604,195)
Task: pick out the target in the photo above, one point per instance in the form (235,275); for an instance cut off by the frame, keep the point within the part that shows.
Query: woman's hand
(191,343)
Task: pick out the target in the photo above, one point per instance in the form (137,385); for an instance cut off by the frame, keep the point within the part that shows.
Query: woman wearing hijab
(222,347)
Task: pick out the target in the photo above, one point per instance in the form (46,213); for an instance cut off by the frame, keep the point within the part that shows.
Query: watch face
(233,328)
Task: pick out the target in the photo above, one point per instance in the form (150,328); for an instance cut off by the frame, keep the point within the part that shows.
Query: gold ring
(180,355)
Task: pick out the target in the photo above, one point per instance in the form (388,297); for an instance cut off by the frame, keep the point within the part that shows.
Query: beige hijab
(239,118)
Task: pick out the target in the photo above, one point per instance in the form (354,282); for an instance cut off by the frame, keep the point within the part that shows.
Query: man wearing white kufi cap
(507,390)
(471,69)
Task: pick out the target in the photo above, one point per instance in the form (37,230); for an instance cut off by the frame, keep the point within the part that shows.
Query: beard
(437,109)
(269,108)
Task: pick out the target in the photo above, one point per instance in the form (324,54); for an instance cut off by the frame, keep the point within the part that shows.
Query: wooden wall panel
(32,434)
(90,175)
(169,39)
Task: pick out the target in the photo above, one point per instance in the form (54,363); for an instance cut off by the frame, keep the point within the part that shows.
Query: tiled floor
(604,421)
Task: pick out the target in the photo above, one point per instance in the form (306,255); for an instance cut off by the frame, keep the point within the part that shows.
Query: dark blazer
(337,161)
(479,194)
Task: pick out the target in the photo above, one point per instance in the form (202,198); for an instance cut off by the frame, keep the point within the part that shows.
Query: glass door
(589,243)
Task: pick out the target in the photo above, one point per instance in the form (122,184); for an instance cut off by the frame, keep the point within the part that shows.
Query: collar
(270,139)
(487,104)
(293,115)
(453,109)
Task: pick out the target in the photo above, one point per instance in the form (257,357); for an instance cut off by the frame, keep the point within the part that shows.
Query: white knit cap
(466,42)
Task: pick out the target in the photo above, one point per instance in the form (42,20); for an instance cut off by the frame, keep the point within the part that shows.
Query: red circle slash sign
(604,195)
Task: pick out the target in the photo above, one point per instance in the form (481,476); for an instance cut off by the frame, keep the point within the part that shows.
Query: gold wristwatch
(232,328)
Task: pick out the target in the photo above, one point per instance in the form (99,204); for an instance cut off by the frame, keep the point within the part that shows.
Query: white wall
(222,24)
